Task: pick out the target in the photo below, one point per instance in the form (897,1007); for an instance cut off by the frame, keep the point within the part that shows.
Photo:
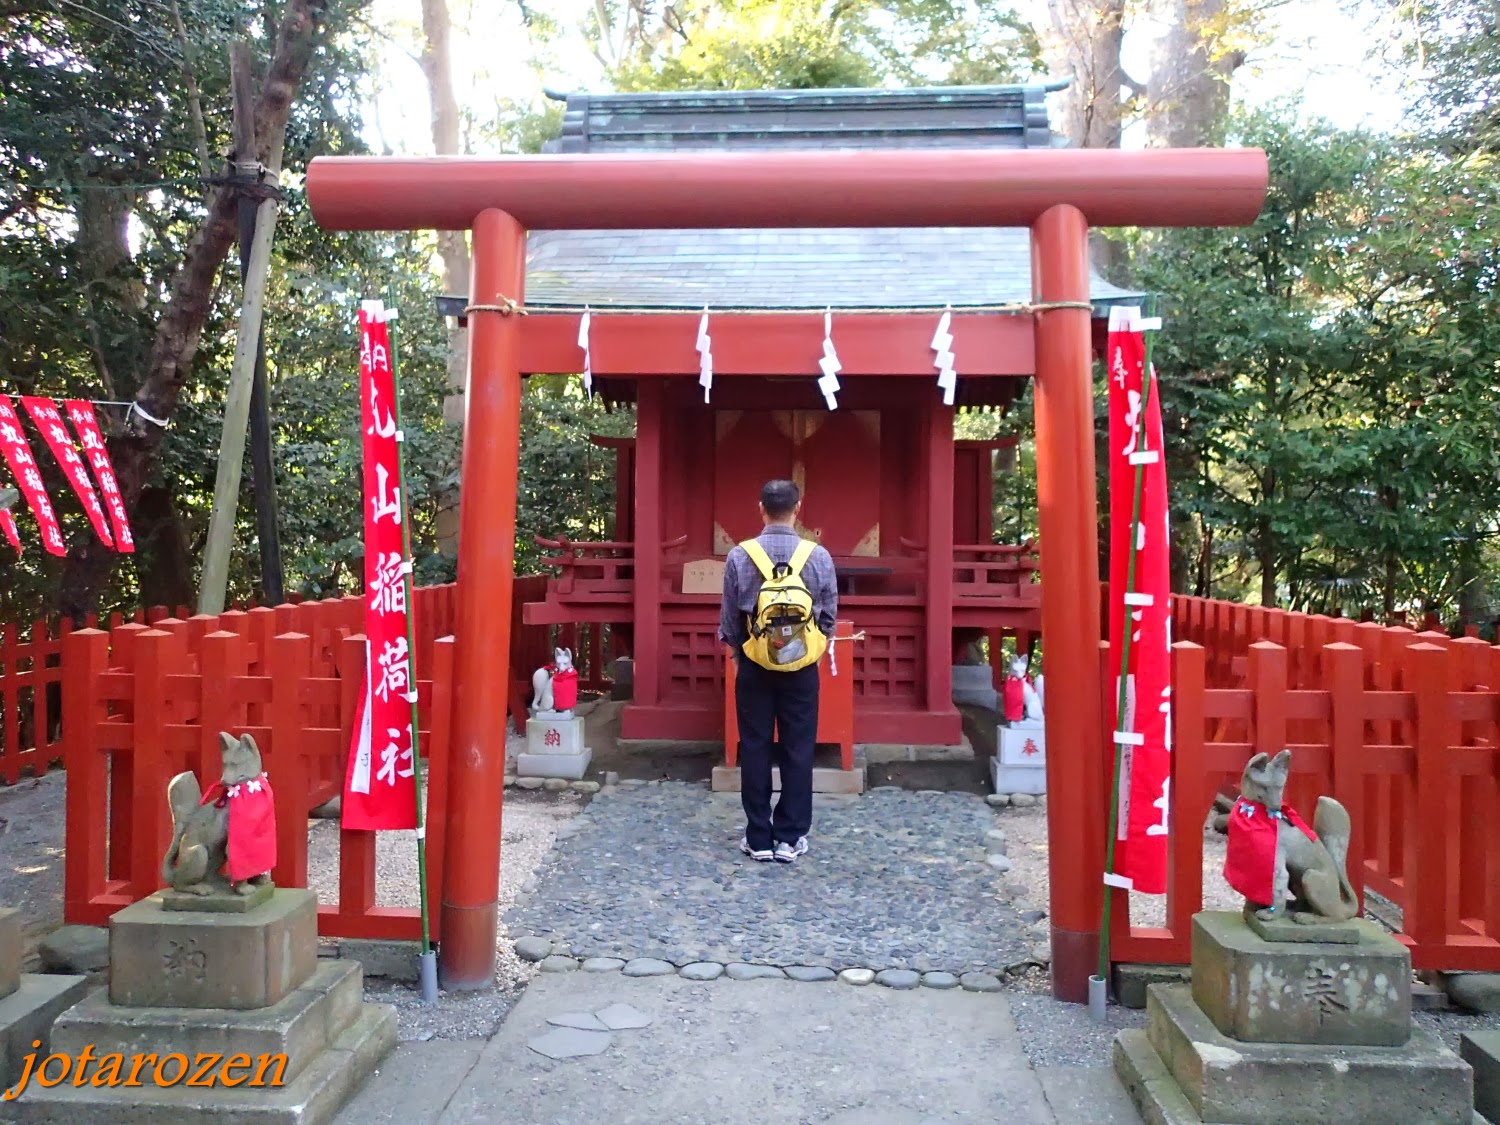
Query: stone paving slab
(412,1086)
(894,879)
(779,1050)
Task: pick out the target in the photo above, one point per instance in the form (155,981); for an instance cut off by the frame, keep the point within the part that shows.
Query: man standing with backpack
(780,602)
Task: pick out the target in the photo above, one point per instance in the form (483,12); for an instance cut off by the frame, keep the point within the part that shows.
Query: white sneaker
(760,855)
(788,853)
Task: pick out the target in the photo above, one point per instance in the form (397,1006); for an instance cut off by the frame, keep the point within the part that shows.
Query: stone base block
(314,1097)
(1132,980)
(180,959)
(548,734)
(1017,779)
(1259,991)
(1019,745)
(301,1026)
(883,753)
(229,902)
(12,950)
(1481,1050)
(1201,1075)
(726,779)
(1311,933)
(974,684)
(27,1014)
(573,767)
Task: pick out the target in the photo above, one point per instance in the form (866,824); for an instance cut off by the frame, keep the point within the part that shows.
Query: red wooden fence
(1401,727)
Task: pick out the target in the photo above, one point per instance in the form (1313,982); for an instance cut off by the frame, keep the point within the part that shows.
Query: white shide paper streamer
(588,362)
(828,383)
(942,346)
(705,357)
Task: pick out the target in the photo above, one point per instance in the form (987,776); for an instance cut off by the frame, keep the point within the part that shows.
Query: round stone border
(557,958)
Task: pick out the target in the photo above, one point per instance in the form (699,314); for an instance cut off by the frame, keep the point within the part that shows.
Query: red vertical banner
(1143,606)
(86,422)
(54,431)
(8,526)
(17,452)
(380,784)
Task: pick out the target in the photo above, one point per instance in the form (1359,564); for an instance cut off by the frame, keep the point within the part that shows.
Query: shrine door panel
(973,494)
(751,447)
(838,468)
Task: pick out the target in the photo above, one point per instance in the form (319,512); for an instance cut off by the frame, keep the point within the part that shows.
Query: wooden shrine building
(905,510)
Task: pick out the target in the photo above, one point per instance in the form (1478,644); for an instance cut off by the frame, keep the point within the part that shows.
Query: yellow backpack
(784,633)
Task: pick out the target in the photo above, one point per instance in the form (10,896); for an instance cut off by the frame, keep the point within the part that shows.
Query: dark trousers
(778,717)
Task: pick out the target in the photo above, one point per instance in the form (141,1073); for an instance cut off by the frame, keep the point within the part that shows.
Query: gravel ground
(894,880)
(531,822)
(31,855)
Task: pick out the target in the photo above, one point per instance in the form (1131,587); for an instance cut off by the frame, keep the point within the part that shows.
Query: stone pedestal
(1020,759)
(974,684)
(29,1002)
(554,748)
(1290,1033)
(293,1036)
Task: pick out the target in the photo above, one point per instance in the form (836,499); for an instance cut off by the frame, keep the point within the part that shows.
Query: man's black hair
(779,498)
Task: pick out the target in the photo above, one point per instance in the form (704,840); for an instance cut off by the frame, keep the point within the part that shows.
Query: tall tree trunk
(1081,41)
(178,332)
(1187,97)
(453,246)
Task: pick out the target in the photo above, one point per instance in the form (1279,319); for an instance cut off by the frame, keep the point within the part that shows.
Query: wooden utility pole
(215,581)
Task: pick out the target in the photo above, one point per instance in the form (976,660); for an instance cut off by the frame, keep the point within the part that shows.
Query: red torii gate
(1058,194)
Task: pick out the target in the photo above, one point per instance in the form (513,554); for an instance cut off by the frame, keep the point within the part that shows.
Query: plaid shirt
(742,583)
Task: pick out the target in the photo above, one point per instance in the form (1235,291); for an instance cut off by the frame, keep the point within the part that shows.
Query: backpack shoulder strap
(759,557)
(801,555)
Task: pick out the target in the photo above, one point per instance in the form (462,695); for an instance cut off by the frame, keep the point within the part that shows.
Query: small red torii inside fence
(1056,194)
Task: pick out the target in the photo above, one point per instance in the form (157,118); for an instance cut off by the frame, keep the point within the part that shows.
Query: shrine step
(726,779)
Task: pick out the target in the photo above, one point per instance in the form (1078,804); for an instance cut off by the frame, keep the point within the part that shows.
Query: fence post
(1427,893)
(356,849)
(288,662)
(221,658)
(150,818)
(85,839)
(1343,680)
(1267,679)
(1189,801)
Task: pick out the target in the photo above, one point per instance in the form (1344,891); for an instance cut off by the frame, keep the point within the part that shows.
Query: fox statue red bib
(1250,861)
(252,825)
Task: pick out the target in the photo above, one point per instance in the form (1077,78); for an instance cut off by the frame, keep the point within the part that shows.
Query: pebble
(533,948)
(898,978)
(528,783)
(648,967)
(653,871)
(557,964)
(1042,954)
(997,800)
(585,786)
(555,784)
(1030,916)
(998,862)
(701,970)
(857,976)
(611,778)
(510,781)
(741,971)
(939,979)
(1023,800)
(979,982)
(809,972)
(632,783)
(994,841)
(602,965)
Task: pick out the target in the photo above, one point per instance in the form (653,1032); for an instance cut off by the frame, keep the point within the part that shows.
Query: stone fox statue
(226,839)
(1272,851)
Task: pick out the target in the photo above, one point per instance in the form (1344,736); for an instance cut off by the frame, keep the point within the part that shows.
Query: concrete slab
(414,1084)
(737,1054)
(1086,1095)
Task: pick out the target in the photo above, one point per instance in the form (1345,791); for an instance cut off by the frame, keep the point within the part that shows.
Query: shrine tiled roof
(844,268)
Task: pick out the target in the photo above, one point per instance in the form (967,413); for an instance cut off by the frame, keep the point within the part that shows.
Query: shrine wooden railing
(1401,727)
(600,568)
(996,570)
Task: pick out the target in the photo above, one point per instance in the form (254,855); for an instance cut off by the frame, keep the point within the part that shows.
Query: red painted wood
(939,538)
(750,345)
(487,532)
(792,188)
(649,486)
